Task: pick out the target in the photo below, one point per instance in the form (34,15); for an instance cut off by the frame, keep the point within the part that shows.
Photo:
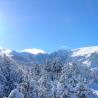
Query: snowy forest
(61,74)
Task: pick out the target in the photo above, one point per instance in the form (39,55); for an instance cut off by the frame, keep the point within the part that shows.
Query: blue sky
(48,24)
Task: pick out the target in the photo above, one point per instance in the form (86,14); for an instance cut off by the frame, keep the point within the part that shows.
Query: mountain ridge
(70,69)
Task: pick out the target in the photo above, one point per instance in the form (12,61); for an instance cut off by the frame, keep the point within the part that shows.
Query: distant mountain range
(84,62)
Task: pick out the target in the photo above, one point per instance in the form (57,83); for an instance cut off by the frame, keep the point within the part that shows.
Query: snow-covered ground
(59,74)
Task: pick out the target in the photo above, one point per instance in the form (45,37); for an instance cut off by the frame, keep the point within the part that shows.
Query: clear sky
(48,24)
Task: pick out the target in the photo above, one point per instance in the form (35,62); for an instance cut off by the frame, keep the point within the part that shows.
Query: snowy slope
(86,56)
(86,51)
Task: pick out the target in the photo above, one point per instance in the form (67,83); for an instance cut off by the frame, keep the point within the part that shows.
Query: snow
(4,51)
(61,73)
(7,51)
(96,92)
(34,51)
(84,51)
(16,94)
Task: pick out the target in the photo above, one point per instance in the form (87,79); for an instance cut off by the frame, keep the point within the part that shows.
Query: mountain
(87,56)
(34,51)
(61,74)
(86,51)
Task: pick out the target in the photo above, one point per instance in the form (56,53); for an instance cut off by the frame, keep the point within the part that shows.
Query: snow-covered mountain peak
(5,51)
(86,51)
(34,51)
